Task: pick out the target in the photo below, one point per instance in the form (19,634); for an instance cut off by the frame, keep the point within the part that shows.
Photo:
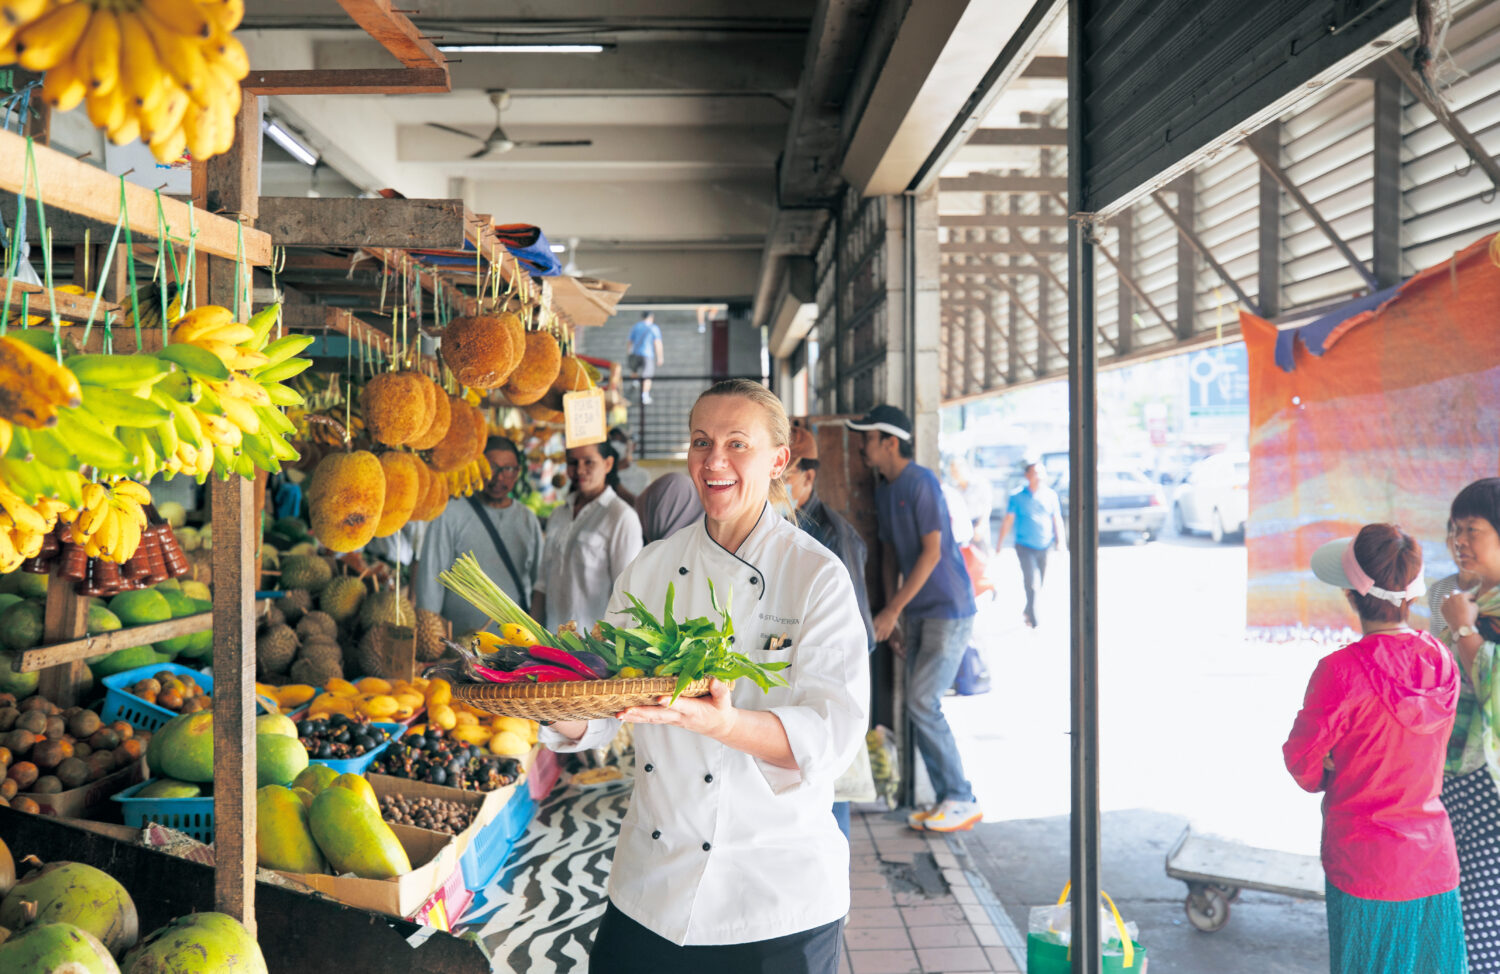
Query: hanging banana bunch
(109,523)
(166,72)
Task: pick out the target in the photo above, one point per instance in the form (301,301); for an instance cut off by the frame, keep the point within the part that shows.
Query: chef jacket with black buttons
(719,847)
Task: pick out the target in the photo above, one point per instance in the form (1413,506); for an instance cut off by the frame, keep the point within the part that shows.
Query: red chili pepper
(497,676)
(548,674)
(562,658)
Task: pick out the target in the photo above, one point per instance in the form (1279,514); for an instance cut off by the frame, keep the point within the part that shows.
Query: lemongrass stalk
(467,580)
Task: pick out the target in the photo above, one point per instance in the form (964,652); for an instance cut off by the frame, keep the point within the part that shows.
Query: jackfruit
(432,629)
(315,624)
(430,392)
(341,599)
(538,368)
(401,482)
(516,329)
(457,445)
(420,510)
(441,416)
(392,404)
(383,606)
(572,375)
(308,572)
(345,497)
(478,350)
(275,648)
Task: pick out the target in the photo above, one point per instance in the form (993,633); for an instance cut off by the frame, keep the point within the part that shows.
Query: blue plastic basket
(195,816)
(491,848)
(121,704)
(362,763)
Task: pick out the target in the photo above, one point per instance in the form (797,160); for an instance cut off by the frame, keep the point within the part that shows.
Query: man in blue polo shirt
(646,352)
(938,599)
(1034,511)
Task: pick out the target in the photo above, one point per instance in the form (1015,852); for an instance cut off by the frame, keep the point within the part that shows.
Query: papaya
(315,777)
(197,943)
(358,784)
(76,893)
(278,759)
(56,948)
(304,796)
(184,748)
(282,837)
(354,838)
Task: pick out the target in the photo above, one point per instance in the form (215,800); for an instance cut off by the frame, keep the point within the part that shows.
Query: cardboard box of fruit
(434,859)
(428,807)
(64,761)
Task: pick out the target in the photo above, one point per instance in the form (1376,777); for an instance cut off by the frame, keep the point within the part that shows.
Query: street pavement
(1192,718)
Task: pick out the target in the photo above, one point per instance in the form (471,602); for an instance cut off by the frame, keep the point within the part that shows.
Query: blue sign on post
(1219,382)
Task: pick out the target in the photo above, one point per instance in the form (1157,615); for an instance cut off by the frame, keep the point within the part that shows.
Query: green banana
(24,479)
(113,407)
(261,323)
(133,438)
(189,430)
(40,339)
(198,361)
(275,419)
(166,434)
(282,371)
(179,386)
(50,451)
(258,448)
(116,371)
(284,348)
(93,447)
(283,450)
(244,466)
(20,444)
(208,401)
(282,395)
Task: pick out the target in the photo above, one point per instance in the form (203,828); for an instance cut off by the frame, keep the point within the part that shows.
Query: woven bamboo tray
(575,700)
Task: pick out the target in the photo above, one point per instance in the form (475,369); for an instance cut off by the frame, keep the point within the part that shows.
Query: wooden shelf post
(228,184)
(66,618)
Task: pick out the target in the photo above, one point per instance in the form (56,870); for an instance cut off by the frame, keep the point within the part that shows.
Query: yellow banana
(198,128)
(52,36)
(225,50)
(126,132)
(161,119)
(98,58)
(246,359)
(23,515)
(28,543)
(183,16)
(92,519)
(131,491)
(10,558)
(129,539)
(169,148)
(180,55)
(141,71)
(94,495)
(107,108)
(7,433)
(219,430)
(211,322)
(108,535)
(15,14)
(63,87)
(57,381)
(241,414)
(225,352)
(226,14)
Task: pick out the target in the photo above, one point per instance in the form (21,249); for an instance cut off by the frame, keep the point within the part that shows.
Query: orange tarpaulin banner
(1398,413)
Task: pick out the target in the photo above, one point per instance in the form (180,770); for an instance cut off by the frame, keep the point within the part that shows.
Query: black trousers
(1033,574)
(623,946)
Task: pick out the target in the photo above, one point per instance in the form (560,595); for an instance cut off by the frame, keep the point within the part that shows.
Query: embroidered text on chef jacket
(582,556)
(719,847)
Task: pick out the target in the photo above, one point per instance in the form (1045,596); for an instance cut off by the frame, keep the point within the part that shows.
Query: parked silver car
(1215,497)
(1128,502)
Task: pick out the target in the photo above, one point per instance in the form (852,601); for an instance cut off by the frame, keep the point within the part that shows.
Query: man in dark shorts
(646,352)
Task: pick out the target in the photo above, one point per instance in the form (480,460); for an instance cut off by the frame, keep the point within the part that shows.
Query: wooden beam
(996,247)
(995,221)
(986,183)
(1396,63)
(69,184)
(75,647)
(350,81)
(70,307)
(1201,249)
(1046,66)
(1041,136)
(1273,166)
(396,260)
(294,221)
(994,270)
(395,33)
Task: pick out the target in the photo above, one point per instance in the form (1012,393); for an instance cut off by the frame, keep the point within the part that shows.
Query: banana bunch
(23,526)
(33,385)
(110,521)
(466,480)
(166,72)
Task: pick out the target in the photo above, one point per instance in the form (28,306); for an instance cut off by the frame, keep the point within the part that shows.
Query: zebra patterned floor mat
(541,912)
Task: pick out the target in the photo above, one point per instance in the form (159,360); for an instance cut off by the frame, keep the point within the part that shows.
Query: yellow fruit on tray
(341,688)
(509,744)
(438,693)
(372,684)
(377,705)
(466,719)
(409,699)
(471,734)
(404,712)
(296,694)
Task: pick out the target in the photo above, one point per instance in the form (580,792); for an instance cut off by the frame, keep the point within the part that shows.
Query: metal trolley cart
(1217,870)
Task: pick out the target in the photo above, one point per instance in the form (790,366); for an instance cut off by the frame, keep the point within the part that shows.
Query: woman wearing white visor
(1372,735)
(729,859)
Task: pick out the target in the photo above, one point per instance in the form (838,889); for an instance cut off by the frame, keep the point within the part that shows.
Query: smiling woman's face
(731,457)
(1476,548)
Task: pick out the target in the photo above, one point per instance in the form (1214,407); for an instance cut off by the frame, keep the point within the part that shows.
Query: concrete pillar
(925,330)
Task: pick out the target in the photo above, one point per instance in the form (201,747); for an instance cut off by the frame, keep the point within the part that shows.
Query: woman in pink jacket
(1372,735)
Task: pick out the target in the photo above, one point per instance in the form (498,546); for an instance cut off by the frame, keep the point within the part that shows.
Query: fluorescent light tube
(559,248)
(289,142)
(521,48)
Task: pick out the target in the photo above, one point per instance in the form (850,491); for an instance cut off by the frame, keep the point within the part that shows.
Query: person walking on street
(1466,618)
(1034,511)
(505,537)
(937,597)
(978,499)
(646,353)
(1372,735)
(836,534)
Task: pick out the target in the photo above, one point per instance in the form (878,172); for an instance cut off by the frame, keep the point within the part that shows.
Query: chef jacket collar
(763,525)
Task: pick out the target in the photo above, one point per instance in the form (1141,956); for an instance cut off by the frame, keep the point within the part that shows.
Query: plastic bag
(1055,925)
(1049,935)
(885,765)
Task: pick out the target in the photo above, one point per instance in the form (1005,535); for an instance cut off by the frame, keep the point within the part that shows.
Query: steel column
(1387,202)
(1013,316)
(1269,285)
(1124,296)
(1187,257)
(1083,527)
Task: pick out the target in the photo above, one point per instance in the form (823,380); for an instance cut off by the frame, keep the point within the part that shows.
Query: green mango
(354,837)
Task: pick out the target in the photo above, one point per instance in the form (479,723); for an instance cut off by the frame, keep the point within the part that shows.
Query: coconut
(438,428)
(401,482)
(392,404)
(72,892)
(198,942)
(478,350)
(345,497)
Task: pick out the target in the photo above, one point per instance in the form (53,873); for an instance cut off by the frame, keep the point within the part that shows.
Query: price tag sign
(584,418)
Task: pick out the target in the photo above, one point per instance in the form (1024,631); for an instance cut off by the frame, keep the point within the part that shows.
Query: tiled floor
(946,927)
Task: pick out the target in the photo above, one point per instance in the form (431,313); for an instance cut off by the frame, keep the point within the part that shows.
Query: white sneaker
(645,399)
(951,816)
(917,818)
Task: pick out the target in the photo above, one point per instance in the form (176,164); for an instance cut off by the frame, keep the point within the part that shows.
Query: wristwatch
(1463,631)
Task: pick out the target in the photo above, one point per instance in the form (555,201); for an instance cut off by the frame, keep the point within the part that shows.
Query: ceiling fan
(571,269)
(498,141)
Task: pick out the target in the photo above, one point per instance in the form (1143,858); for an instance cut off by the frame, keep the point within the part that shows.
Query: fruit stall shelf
(82,647)
(362,763)
(193,816)
(121,704)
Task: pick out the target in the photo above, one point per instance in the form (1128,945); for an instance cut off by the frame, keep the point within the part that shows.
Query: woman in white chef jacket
(729,858)
(590,538)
